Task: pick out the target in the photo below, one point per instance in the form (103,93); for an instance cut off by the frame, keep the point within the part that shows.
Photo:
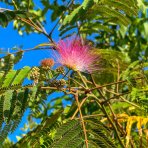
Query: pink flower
(75,55)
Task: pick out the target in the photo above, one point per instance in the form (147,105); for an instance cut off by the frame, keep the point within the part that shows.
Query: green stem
(84,82)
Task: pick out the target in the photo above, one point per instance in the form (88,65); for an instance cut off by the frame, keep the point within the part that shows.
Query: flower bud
(47,63)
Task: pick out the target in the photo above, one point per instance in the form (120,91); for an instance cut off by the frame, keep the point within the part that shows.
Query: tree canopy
(99,65)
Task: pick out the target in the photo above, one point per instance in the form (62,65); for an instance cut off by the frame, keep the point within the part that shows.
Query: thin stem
(94,115)
(28,5)
(118,77)
(45,33)
(120,95)
(116,120)
(81,118)
(133,104)
(77,82)
(30,23)
(115,97)
(38,27)
(84,82)
(29,49)
(75,113)
(14,4)
(105,112)
(109,84)
(114,116)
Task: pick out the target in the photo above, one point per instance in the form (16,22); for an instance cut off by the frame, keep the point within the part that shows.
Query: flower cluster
(76,56)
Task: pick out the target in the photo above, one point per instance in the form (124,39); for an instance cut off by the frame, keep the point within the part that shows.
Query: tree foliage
(107,108)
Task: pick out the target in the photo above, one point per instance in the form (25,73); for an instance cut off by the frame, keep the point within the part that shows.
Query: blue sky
(10,38)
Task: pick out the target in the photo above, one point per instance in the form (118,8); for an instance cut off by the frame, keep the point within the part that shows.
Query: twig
(114,116)
(45,33)
(113,125)
(94,115)
(114,97)
(84,99)
(65,74)
(81,118)
(82,79)
(15,6)
(113,83)
(120,95)
(27,21)
(28,50)
(116,120)
(77,82)
(118,77)
(105,112)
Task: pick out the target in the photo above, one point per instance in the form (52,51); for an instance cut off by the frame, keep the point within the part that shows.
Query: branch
(83,100)
(113,83)
(105,112)
(113,125)
(81,118)
(120,95)
(116,96)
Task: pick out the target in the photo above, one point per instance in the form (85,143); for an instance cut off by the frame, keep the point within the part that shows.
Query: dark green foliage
(1,110)
(68,134)
(7,105)
(18,56)
(7,15)
(65,128)
(133,43)
(79,10)
(4,132)
(99,134)
(13,104)
(57,10)
(134,72)
(140,96)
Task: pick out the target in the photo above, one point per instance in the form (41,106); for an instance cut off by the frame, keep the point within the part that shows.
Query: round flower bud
(47,63)
(35,74)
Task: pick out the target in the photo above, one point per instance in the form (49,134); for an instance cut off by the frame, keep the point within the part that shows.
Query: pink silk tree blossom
(76,56)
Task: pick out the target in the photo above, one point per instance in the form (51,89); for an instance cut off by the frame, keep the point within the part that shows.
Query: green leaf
(65,128)
(9,78)
(87,4)
(1,110)
(67,136)
(7,104)
(3,20)
(21,75)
